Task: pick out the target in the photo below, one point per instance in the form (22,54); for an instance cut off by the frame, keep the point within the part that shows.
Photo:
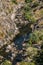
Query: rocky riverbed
(21,31)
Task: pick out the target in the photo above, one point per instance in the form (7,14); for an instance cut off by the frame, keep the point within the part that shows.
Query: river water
(20,40)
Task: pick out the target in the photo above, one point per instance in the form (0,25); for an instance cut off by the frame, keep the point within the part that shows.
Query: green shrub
(29,16)
(6,62)
(41,37)
(27,7)
(14,1)
(34,38)
(29,10)
(27,63)
(39,57)
(28,1)
(35,3)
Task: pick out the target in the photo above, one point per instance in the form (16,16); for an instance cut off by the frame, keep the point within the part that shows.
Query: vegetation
(35,37)
(6,62)
(39,57)
(29,16)
(21,43)
(27,63)
(28,12)
(14,1)
(28,1)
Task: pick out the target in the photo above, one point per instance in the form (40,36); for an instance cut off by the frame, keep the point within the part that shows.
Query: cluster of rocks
(8,28)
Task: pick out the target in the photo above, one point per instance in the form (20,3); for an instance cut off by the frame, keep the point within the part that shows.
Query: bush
(6,62)
(27,63)
(14,1)
(28,1)
(35,4)
(41,37)
(29,16)
(35,37)
(27,7)
(39,57)
(28,13)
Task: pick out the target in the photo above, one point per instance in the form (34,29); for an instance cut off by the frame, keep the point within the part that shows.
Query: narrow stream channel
(20,39)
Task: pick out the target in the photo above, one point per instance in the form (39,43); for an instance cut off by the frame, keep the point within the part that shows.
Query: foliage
(14,1)
(41,12)
(6,62)
(28,12)
(28,1)
(27,7)
(35,4)
(31,13)
(29,16)
(27,63)
(39,57)
(31,51)
(35,37)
